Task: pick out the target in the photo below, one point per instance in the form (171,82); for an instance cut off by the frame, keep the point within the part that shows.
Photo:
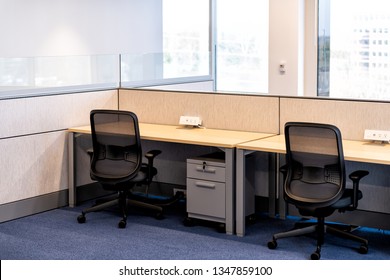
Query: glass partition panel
(164,68)
(20,76)
(185,48)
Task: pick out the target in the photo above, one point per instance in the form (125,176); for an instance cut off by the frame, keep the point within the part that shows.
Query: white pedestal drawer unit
(206,187)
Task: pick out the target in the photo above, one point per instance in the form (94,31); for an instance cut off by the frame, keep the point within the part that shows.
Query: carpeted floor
(56,235)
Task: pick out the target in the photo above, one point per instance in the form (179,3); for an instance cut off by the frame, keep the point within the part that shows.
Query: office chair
(116,161)
(314,181)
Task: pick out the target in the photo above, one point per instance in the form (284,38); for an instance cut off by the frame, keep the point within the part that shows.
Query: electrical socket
(192,121)
(175,190)
(377,135)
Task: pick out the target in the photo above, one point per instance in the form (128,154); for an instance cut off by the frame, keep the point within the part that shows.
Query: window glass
(354,49)
(186,38)
(34,75)
(185,49)
(242,45)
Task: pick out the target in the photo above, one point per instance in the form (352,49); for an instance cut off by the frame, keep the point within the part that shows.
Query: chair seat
(343,203)
(140,177)
(347,199)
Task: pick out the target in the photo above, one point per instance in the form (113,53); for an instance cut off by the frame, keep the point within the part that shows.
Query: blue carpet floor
(56,235)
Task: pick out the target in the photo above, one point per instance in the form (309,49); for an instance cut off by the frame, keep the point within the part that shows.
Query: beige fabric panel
(33,140)
(33,165)
(30,115)
(351,117)
(220,111)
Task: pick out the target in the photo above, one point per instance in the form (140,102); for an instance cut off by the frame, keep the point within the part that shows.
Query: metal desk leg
(71,173)
(282,206)
(240,192)
(230,189)
(273,184)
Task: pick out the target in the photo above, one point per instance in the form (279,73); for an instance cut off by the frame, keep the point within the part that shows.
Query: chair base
(123,202)
(158,202)
(320,229)
(308,222)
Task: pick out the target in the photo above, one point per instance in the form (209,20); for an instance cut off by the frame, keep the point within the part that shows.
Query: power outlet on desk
(191,121)
(377,135)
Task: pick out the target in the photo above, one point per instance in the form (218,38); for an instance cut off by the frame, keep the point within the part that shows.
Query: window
(238,62)
(184,54)
(37,75)
(352,49)
(242,45)
(186,38)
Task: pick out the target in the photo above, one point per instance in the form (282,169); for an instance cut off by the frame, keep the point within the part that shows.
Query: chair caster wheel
(188,222)
(315,256)
(272,244)
(363,249)
(251,219)
(122,224)
(159,216)
(81,219)
(221,228)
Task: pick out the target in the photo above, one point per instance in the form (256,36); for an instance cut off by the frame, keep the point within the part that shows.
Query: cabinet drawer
(206,198)
(206,172)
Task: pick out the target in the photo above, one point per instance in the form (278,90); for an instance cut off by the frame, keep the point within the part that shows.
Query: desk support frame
(230,189)
(71,169)
(241,188)
(240,191)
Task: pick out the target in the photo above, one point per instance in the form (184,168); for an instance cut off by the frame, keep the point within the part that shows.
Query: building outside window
(186,38)
(241,44)
(354,49)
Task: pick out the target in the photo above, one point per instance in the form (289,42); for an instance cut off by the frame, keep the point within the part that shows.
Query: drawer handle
(205,170)
(205,185)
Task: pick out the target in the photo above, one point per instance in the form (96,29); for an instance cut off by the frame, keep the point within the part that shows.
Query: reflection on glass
(186,38)
(242,45)
(354,49)
(62,71)
(185,51)
(154,68)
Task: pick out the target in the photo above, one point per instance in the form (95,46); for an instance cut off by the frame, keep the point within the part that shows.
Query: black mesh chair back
(315,160)
(116,143)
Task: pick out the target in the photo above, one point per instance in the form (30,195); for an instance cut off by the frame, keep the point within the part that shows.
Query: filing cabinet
(206,193)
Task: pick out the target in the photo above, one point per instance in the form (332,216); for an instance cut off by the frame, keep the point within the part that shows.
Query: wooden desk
(359,151)
(226,140)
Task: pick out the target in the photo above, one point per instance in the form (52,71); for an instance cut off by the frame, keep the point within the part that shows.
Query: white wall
(286,35)
(79,27)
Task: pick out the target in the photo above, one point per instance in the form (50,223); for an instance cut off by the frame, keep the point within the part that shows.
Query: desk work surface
(189,135)
(361,151)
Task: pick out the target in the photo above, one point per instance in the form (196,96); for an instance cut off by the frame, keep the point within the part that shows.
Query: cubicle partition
(220,111)
(33,148)
(352,117)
